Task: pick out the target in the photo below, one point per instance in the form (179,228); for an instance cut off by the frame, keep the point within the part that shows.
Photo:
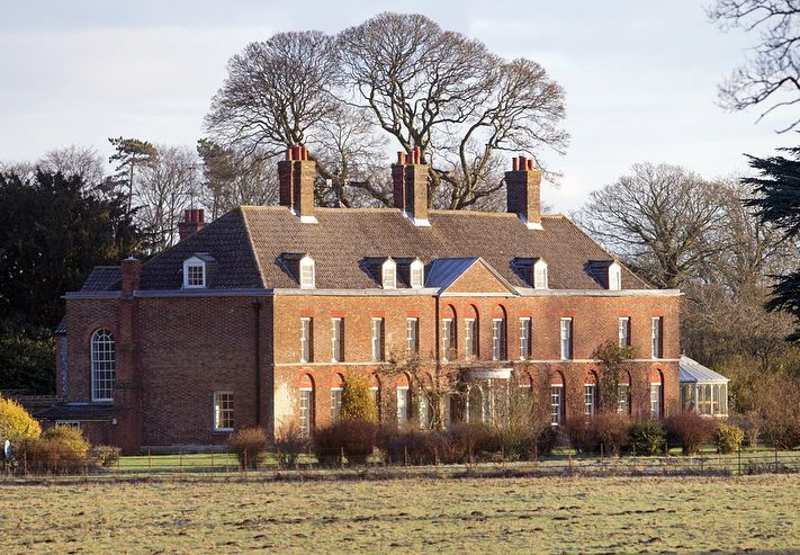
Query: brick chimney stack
(193,221)
(296,176)
(131,275)
(410,186)
(523,192)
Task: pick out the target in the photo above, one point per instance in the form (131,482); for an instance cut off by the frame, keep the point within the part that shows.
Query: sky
(640,77)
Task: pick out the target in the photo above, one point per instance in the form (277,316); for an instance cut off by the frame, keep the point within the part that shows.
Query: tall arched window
(104,366)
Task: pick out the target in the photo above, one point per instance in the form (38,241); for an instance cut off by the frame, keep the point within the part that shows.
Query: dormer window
(389,274)
(194,273)
(540,280)
(307,273)
(417,274)
(614,277)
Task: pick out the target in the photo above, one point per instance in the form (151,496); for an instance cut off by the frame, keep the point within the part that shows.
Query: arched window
(624,394)
(375,393)
(104,366)
(417,277)
(590,394)
(194,273)
(657,395)
(307,273)
(557,404)
(614,277)
(389,274)
(540,278)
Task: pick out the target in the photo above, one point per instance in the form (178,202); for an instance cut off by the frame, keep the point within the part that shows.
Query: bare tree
(770,77)
(83,161)
(659,219)
(449,96)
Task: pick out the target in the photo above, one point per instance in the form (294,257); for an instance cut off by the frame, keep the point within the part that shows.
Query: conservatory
(702,389)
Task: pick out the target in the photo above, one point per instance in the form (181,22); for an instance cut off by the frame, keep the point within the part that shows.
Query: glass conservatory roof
(694,372)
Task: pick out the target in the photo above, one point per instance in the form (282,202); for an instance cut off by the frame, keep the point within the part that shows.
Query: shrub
(689,430)
(468,441)
(605,432)
(546,441)
(104,455)
(750,424)
(356,439)
(775,399)
(16,423)
(357,402)
(59,450)
(516,443)
(290,444)
(728,438)
(647,438)
(249,445)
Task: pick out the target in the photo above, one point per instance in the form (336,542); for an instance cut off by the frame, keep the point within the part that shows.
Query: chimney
(193,221)
(523,192)
(131,275)
(410,186)
(296,176)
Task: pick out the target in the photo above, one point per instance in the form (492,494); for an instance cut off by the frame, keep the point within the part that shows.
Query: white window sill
(222,430)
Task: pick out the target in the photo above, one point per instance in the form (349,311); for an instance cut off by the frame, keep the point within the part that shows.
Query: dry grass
(481,515)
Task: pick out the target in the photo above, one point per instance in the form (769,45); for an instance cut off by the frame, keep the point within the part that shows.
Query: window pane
(103,365)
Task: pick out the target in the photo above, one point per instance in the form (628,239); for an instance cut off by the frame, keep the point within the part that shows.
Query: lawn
(412,515)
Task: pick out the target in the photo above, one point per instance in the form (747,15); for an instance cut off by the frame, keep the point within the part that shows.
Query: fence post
(213,468)
(180,461)
(776,458)
(405,455)
(341,457)
(149,461)
(739,456)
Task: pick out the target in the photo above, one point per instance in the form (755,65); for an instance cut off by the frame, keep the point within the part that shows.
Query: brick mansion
(256,317)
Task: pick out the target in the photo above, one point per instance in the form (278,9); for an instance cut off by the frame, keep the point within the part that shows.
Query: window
(402,405)
(656,336)
(589,404)
(337,339)
(417,274)
(223,411)
(540,278)
(75,424)
(194,273)
(625,332)
(306,402)
(377,339)
(566,338)
(623,398)
(424,412)
(614,277)
(336,403)
(448,339)
(524,338)
(655,400)
(104,366)
(708,399)
(471,338)
(412,335)
(389,274)
(498,339)
(375,394)
(306,340)
(556,404)
(307,273)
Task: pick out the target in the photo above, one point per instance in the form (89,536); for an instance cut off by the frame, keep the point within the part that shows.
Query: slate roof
(692,371)
(103,278)
(247,244)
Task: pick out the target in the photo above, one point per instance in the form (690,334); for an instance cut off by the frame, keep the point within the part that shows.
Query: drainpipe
(257,361)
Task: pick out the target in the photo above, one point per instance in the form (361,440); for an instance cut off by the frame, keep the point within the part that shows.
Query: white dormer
(417,274)
(195,273)
(540,280)
(614,277)
(389,274)
(307,273)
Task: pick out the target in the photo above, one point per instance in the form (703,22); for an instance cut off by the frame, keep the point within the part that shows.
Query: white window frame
(614,277)
(402,392)
(498,339)
(525,337)
(337,339)
(448,336)
(76,424)
(389,274)
(306,413)
(378,332)
(624,331)
(470,338)
(623,398)
(556,404)
(336,403)
(589,399)
(193,263)
(220,409)
(656,337)
(306,339)
(416,274)
(656,395)
(565,338)
(412,335)
(103,352)
(540,275)
(308,273)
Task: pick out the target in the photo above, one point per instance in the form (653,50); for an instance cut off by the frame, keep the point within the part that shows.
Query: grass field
(490,515)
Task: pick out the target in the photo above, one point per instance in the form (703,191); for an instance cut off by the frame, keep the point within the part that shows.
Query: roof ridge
(246,223)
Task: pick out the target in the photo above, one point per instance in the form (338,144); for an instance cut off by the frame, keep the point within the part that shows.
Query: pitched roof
(102,278)
(247,244)
(692,371)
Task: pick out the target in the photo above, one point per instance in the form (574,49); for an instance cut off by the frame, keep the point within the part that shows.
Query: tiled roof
(692,371)
(63,411)
(247,244)
(103,278)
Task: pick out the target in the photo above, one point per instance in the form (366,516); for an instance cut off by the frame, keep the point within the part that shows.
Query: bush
(546,441)
(356,439)
(516,443)
(357,402)
(728,438)
(647,438)
(59,450)
(606,432)
(775,399)
(290,444)
(104,455)
(750,424)
(16,423)
(249,445)
(689,430)
(467,442)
